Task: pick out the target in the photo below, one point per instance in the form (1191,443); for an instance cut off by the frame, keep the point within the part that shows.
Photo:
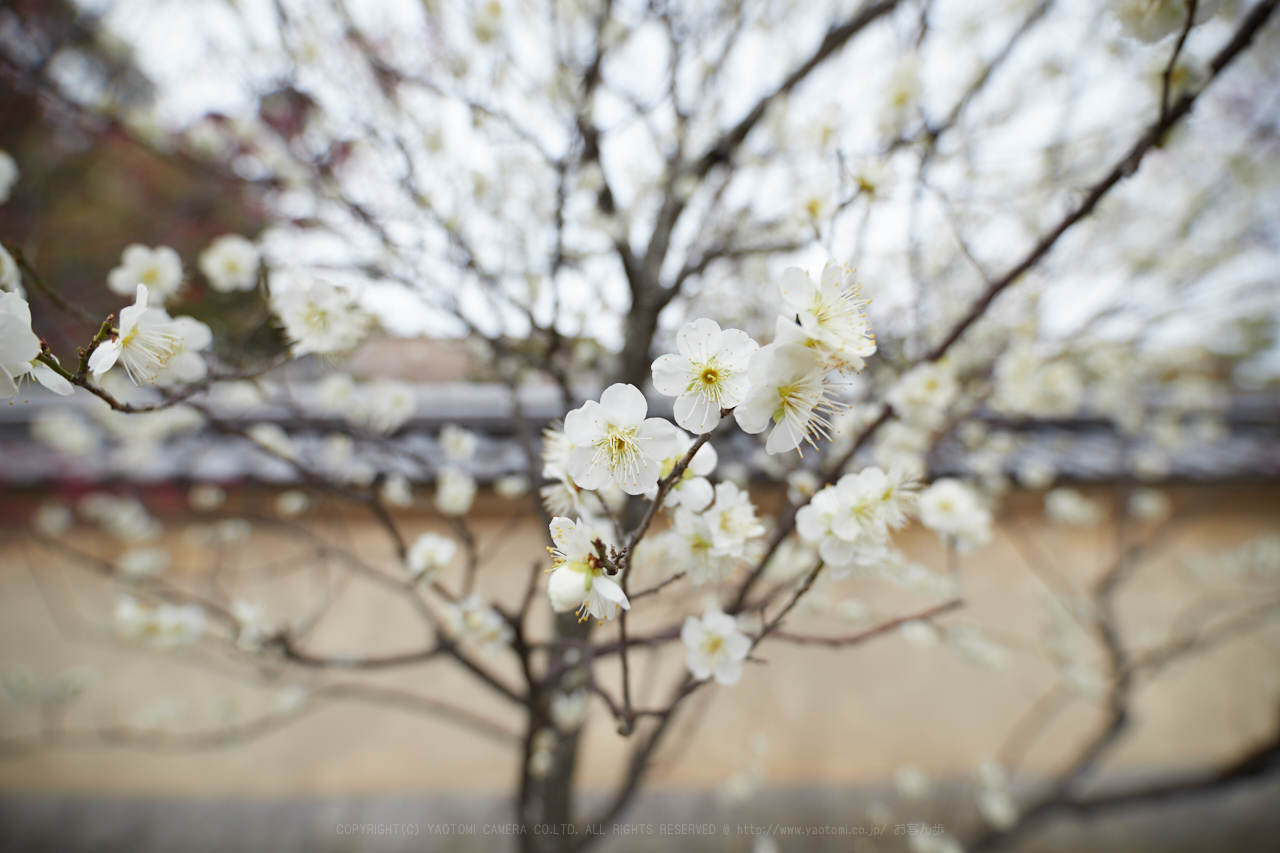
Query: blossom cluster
(850,521)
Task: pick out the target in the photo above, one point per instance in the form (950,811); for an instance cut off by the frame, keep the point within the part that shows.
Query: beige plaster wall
(845,716)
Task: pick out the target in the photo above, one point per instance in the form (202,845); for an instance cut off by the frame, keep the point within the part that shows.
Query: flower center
(711,644)
(786,401)
(619,448)
(317,318)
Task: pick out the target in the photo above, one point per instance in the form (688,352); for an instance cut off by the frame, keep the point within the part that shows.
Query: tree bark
(545,808)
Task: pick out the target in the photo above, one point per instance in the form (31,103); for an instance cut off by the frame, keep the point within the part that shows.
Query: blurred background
(528,200)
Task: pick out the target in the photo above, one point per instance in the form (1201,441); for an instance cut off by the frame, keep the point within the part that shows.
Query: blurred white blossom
(230,263)
(714,647)
(158,271)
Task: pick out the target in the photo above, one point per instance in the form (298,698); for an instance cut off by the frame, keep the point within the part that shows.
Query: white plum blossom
(187,365)
(388,405)
(1069,508)
(996,807)
(158,269)
(138,563)
(953,511)
(1027,384)
(556,449)
(690,548)
(65,431)
(569,710)
(455,491)
(8,175)
(486,23)
(430,554)
(924,392)
(145,343)
(732,520)
(901,95)
(578,580)
(336,393)
(272,438)
(788,389)
(1036,474)
(321,319)
(832,317)
(991,795)
(251,630)
(561,496)
(615,442)
(292,503)
(511,486)
(708,374)
(458,444)
(19,347)
(714,647)
(123,517)
(230,263)
(396,491)
(164,626)
(472,622)
(802,484)
(850,520)
(1149,504)
(693,489)
(10,275)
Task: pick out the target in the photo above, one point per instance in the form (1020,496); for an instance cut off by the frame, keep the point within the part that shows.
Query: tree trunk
(636,359)
(545,808)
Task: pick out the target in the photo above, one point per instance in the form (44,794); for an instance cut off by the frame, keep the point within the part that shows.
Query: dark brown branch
(1166,79)
(863,636)
(837,37)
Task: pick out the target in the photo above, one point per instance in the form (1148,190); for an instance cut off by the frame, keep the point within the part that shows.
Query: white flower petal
(704,461)
(810,523)
(46,376)
(696,493)
(736,349)
(797,289)
(728,672)
(671,374)
(697,413)
(785,436)
(18,344)
(584,425)
(691,633)
(699,340)
(104,357)
(623,405)
(586,472)
(610,591)
(659,439)
(755,413)
(836,552)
